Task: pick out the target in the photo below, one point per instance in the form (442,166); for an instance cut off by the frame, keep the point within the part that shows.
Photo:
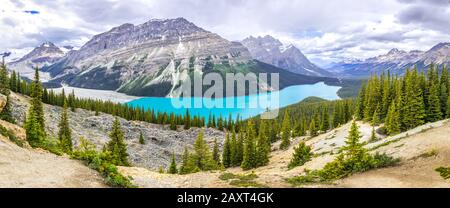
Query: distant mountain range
(44,55)
(269,50)
(152,59)
(397,61)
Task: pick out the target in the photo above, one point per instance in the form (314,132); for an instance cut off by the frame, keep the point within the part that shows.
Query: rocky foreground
(160,141)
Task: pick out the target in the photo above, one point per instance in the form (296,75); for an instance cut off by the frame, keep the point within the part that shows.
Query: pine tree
(325,125)
(302,154)
(6,113)
(376,117)
(249,157)
(373,136)
(360,102)
(285,132)
(34,133)
(173,125)
(434,109)
(448,107)
(393,120)
(117,145)
(13,82)
(202,156)
(188,163)
(239,155)
(226,155)
(65,133)
(4,80)
(312,128)
(187,120)
(233,149)
(354,154)
(173,165)
(413,109)
(34,123)
(215,152)
(36,102)
(141,138)
(443,98)
(262,145)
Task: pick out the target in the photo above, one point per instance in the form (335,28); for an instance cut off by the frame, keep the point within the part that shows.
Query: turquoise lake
(244,106)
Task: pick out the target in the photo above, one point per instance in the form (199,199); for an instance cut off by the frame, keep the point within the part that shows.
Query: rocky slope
(397,61)
(44,55)
(421,150)
(160,141)
(154,58)
(270,50)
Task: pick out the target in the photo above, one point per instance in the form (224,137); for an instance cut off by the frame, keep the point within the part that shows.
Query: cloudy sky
(324,30)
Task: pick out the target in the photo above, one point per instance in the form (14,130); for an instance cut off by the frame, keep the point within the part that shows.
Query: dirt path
(22,167)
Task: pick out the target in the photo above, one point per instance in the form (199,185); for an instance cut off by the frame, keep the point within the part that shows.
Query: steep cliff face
(270,50)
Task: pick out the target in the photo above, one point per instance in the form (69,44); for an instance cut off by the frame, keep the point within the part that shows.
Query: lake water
(244,106)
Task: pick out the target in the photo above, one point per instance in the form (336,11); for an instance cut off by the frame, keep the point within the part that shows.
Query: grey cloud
(53,34)
(8,21)
(18,3)
(389,37)
(436,18)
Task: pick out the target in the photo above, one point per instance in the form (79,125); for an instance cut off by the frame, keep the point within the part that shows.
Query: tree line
(402,103)
(17,84)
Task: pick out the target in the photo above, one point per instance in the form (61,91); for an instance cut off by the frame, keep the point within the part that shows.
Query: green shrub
(5,132)
(444,172)
(302,154)
(101,162)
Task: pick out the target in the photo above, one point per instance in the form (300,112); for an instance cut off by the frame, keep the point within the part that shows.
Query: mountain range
(396,61)
(151,59)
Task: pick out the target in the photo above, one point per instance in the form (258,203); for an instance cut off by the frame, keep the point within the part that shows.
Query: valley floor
(421,150)
(105,95)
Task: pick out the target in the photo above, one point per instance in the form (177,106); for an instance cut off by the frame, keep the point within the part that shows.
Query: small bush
(101,162)
(302,154)
(5,132)
(444,172)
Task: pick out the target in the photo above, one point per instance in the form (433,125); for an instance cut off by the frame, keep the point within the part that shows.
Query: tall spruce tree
(65,133)
(239,155)
(226,154)
(249,157)
(173,165)
(286,132)
(34,124)
(215,152)
(262,145)
(434,109)
(202,155)
(4,80)
(117,145)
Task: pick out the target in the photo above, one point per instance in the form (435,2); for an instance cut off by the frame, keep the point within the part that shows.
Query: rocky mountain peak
(272,51)
(440,46)
(395,51)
